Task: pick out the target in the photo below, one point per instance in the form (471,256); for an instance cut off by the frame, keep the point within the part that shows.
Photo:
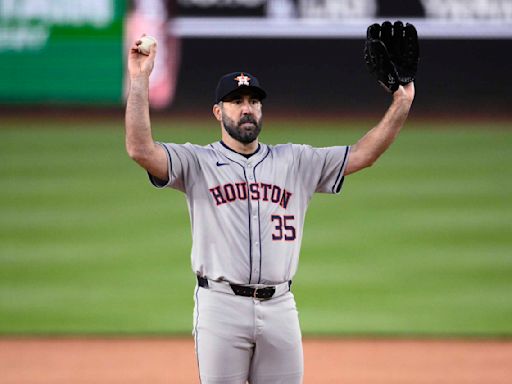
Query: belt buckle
(266,295)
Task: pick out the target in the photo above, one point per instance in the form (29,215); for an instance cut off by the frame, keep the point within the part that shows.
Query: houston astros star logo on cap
(242,79)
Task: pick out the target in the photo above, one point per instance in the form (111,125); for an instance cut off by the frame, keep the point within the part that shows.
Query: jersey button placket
(255,230)
(255,242)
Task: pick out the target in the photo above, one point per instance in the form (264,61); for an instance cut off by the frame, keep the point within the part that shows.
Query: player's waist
(257,291)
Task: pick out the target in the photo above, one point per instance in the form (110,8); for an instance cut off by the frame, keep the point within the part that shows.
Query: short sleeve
(182,165)
(322,169)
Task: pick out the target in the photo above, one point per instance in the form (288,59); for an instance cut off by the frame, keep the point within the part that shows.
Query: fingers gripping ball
(391,53)
(145,44)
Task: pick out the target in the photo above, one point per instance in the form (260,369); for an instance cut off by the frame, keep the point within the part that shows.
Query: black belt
(242,290)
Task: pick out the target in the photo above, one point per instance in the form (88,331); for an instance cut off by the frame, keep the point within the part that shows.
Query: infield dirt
(172,361)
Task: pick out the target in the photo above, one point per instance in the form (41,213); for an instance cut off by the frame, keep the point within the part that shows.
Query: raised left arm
(372,145)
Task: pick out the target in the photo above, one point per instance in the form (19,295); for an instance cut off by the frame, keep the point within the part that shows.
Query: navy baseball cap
(235,82)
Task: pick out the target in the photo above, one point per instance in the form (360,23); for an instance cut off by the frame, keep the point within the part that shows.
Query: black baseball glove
(392,53)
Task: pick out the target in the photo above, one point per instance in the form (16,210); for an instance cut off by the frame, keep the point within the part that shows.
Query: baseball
(146,43)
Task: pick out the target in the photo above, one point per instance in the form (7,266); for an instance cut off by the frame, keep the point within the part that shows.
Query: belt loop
(202,282)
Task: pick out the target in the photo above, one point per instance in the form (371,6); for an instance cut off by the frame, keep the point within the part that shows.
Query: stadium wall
(309,75)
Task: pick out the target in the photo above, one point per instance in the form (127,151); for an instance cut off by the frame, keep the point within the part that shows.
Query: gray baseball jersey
(247,214)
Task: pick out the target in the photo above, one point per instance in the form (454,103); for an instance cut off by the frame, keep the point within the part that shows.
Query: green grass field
(419,244)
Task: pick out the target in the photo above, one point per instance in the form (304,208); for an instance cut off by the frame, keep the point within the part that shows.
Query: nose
(246,107)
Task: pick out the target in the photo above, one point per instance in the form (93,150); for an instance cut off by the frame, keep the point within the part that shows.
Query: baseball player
(247,202)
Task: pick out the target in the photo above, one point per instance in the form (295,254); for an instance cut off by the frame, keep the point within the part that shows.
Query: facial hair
(245,135)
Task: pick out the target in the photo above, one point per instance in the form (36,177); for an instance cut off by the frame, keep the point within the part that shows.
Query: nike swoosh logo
(219,164)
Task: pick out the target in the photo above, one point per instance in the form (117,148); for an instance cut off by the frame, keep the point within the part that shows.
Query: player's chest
(227,171)
(230,182)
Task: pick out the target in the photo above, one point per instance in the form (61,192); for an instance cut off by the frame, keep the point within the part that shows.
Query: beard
(246,134)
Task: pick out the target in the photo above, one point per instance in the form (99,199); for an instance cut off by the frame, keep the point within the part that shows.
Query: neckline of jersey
(237,157)
(241,154)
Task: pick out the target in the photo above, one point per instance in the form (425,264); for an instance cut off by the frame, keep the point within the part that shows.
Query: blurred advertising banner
(437,19)
(347,9)
(61,51)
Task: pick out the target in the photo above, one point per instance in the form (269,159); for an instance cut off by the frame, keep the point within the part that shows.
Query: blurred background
(421,244)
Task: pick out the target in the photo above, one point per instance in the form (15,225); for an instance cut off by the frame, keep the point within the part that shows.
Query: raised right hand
(139,64)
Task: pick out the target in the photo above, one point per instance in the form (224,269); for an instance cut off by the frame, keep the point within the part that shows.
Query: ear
(217,112)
